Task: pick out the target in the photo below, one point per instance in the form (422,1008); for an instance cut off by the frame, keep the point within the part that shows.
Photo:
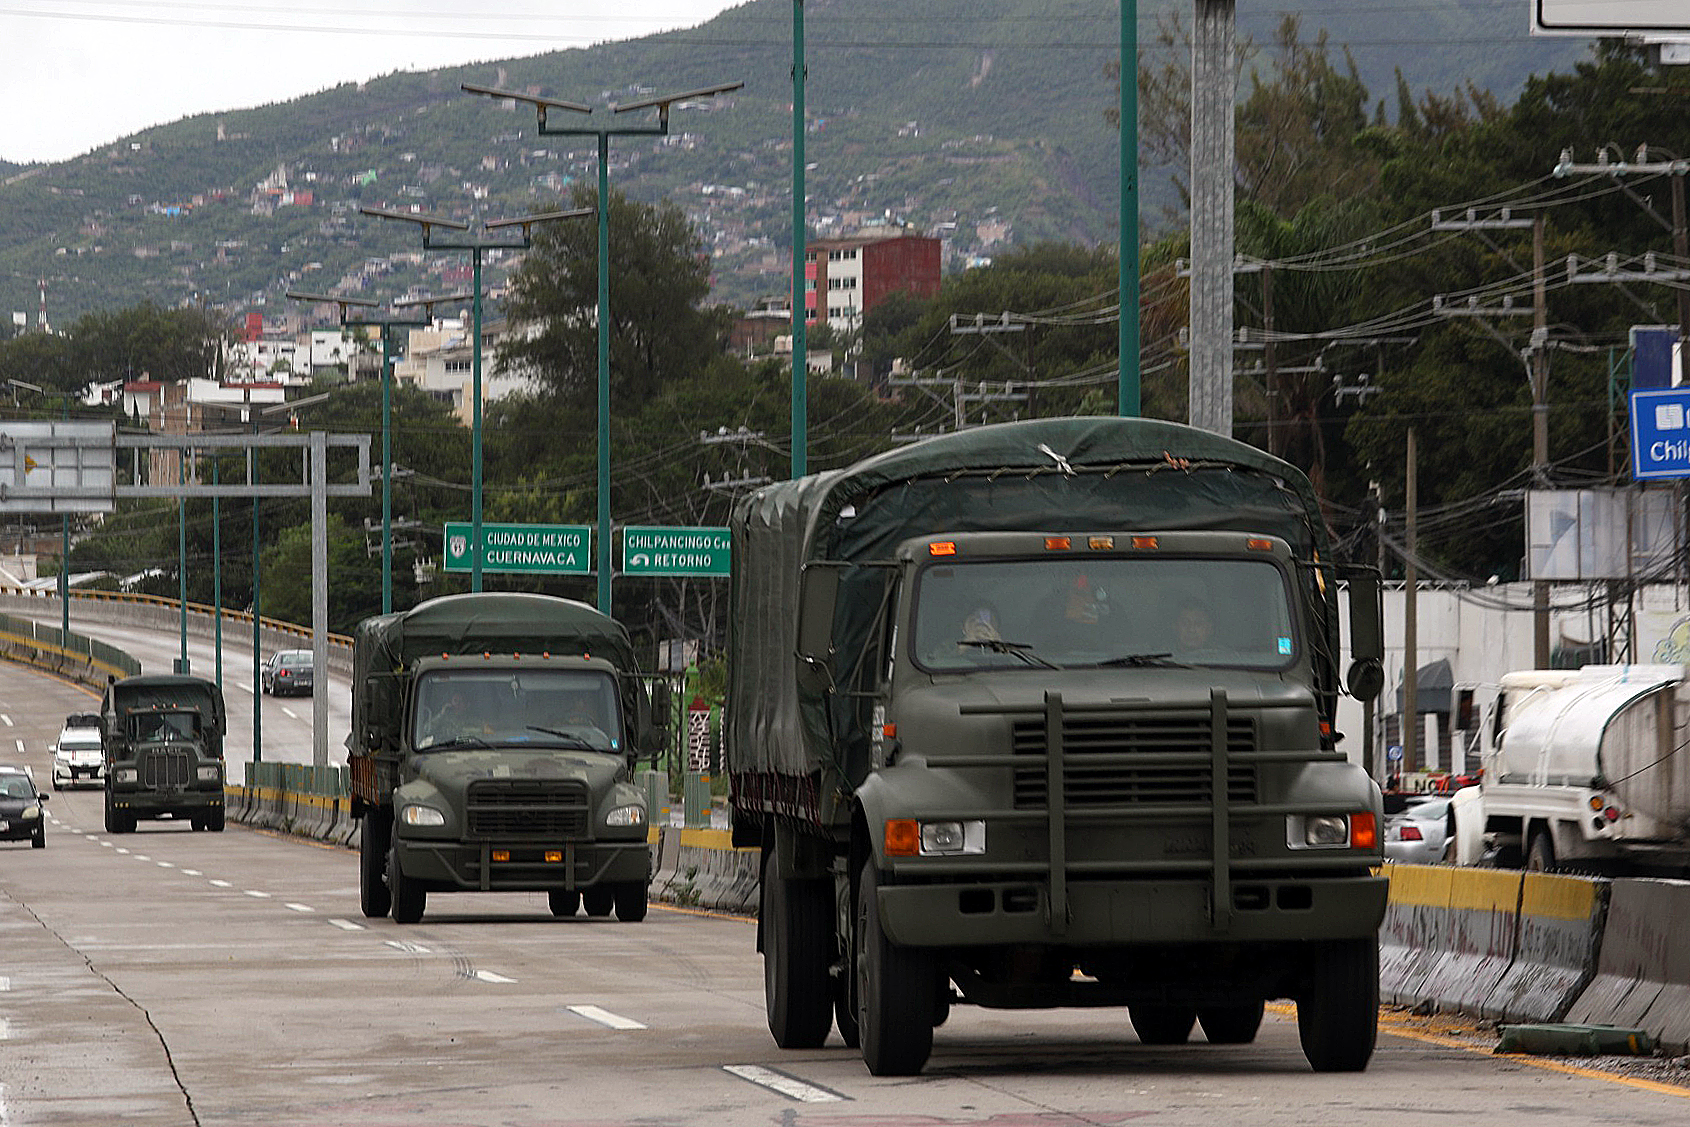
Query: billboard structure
(1580,535)
(1610,17)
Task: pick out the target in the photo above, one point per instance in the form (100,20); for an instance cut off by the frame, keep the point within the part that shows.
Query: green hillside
(983,123)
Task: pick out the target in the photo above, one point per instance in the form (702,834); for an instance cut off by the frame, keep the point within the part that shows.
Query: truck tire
(599,901)
(1231,1025)
(894,991)
(630,900)
(373,895)
(1338,1010)
(215,820)
(797,946)
(563,904)
(1540,855)
(410,899)
(1162,1023)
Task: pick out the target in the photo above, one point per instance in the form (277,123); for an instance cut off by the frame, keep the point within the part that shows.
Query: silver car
(77,758)
(289,673)
(1423,832)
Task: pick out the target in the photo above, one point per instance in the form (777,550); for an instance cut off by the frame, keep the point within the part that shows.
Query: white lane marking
(302,907)
(8,719)
(120,849)
(108,845)
(290,712)
(605,1017)
(167,864)
(20,746)
(788,1086)
(221,884)
(91,837)
(244,686)
(346,925)
(192,873)
(5,984)
(5,1030)
(409,948)
(489,976)
(257,895)
(140,857)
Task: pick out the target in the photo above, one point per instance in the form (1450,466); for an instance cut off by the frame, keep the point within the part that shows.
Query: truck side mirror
(660,705)
(818,591)
(1366,676)
(378,697)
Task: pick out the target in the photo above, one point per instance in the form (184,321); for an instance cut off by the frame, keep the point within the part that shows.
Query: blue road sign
(1660,433)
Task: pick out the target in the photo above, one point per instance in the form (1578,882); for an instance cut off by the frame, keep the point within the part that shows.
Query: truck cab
(162,738)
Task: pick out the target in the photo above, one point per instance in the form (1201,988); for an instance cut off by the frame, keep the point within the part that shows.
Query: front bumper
(1106,913)
(145,804)
(77,774)
(19,829)
(469,866)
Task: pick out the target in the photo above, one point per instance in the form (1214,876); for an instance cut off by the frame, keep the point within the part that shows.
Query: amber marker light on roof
(1058,543)
(942,548)
(1146,543)
(1259,544)
(1100,543)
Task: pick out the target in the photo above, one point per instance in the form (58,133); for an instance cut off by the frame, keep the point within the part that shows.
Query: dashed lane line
(409,948)
(605,1017)
(300,907)
(789,1086)
(489,976)
(345,925)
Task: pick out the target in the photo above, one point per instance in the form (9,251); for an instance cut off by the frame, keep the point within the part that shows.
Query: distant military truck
(493,745)
(162,738)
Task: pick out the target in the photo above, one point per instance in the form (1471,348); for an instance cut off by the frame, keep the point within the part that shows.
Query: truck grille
(506,808)
(165,768)
(1118,784)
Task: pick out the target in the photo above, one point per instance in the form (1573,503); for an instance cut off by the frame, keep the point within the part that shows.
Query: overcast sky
(77,74)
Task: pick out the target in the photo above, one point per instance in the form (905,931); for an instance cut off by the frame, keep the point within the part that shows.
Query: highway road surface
(166,977)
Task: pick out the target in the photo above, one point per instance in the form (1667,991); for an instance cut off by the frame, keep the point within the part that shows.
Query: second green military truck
(162,737)
(1039,715)
(492,750)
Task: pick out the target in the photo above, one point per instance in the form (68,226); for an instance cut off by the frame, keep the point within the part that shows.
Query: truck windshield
(1097,611)
(542,708)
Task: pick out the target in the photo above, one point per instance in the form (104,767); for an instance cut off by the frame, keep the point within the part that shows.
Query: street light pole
(475,246)
(603,134)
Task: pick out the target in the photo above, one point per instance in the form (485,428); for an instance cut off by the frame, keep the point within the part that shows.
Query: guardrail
(82,659)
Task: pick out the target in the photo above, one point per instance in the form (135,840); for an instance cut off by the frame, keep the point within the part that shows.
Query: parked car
(288,672)
(21,814)
(77,758)
(1423,832)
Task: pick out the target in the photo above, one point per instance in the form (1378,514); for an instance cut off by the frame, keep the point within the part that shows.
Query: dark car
(288,673)
(21,814)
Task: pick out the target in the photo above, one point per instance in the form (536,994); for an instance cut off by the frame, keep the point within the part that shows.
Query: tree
(659,278)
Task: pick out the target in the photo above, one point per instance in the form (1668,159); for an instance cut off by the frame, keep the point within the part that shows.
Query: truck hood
(453,771)
(929,717)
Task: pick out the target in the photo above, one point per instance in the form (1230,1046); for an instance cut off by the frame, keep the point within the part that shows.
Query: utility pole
(1213,105)
(1411,609)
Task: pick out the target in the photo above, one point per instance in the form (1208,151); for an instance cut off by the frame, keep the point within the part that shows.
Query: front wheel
(410,899)
(562,903)
(1338,1010)
(215,820)
(1540,857)
(631,901)
(373,895)
(894,990)
(599,901)
(797,941)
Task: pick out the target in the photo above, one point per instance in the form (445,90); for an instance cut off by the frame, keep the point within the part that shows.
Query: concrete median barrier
(1449,934)
(1560,933)
(1643,973)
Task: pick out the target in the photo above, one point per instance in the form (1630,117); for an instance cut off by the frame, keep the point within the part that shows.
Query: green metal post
(603,545)
(475,369)
(800,347)
(257,640)
(182,552)
(387,473)
(1127,391)
(217,573)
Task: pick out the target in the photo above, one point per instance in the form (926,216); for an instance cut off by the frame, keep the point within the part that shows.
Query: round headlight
(30,812)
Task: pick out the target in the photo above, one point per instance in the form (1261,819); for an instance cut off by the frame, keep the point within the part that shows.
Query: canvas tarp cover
(1092,475)
(171,690)
(495,622)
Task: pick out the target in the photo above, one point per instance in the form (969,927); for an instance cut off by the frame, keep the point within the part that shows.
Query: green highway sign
(537,549)
(679,551)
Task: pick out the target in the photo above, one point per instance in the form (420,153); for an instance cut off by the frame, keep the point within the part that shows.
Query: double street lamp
(476,247)
(603,133)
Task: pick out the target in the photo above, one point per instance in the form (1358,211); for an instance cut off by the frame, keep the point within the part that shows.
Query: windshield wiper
(570,739)
(1157,660)
(457,741)
(1022,650)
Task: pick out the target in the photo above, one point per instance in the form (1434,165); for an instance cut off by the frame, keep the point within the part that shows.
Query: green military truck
(492,750)
(1040,714)
(162,739)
